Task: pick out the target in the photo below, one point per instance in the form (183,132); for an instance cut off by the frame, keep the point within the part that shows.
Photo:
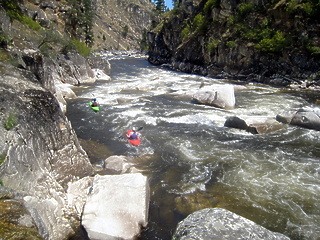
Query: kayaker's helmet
(134,129)
(94,99)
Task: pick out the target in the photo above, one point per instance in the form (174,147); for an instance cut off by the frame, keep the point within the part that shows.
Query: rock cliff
(274,42)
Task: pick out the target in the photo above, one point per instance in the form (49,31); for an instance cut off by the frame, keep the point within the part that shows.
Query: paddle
(139,129)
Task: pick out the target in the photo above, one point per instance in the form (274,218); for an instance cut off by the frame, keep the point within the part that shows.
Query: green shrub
(273,45)
(231,44)
(245,8)
(209,5)
(199,23)
(313,50)
(186,32)
(77,46)
(11,121)
(212,45)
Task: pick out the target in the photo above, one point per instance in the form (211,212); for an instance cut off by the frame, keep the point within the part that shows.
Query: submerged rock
(117,207)
(218,223)
(255,125)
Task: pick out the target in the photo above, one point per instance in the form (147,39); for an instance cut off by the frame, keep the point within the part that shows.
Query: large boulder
(221,96)
(255,125)
(301,117)
(117,207)
(217,223)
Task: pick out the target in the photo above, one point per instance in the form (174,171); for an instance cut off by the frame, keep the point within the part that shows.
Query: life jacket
(133,136)
(94,104)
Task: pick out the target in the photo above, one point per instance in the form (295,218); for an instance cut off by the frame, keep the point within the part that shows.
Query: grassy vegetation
(2,157)
(11,121)
(77,46)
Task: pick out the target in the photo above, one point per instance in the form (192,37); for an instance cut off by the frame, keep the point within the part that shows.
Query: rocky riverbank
(258,41)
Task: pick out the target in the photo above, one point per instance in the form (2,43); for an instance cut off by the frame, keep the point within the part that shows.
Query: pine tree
(80,19)
(160,6)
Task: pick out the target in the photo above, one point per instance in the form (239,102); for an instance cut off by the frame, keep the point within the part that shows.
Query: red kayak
(133,141)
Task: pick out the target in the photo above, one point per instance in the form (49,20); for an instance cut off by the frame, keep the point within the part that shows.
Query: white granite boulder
(116,207)
(221,96)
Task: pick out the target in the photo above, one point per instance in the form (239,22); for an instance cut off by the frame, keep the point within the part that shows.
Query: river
(194,162)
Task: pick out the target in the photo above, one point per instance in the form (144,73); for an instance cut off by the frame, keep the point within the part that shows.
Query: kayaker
(133,135)
(94,102)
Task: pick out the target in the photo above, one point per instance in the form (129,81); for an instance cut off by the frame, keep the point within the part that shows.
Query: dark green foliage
(160,6)
(209,5)
(125,31)
(308,8)
(4,40)
(275,44)
(80,19)
(12,8)
(245,8)
(212,45)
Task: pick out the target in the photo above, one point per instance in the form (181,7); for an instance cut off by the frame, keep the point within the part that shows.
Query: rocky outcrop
(40,150)
(254,124)
(221,96)
(222,39)
(217,223)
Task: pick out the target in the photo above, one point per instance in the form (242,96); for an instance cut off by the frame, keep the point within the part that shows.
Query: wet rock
(302,118)
(286,116)
(119,165)
(15,220)
(306,119)
(117,207)
(218,223)
(255,125)
(221,96)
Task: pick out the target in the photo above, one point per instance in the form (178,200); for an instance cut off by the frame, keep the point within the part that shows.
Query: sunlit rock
(77,194)
(221,96)
(306,119)
(255,125)
(302,118)
(218,223)
(117,206)
(119,165)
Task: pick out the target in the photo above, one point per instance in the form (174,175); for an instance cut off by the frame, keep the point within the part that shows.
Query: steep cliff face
(265,41)
(121,24)
(116,24)
(39,151)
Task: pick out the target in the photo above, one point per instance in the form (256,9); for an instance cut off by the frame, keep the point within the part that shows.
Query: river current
(192,160)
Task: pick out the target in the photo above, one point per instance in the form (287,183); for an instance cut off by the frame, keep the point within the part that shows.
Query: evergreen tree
(160,6)
(80,19)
